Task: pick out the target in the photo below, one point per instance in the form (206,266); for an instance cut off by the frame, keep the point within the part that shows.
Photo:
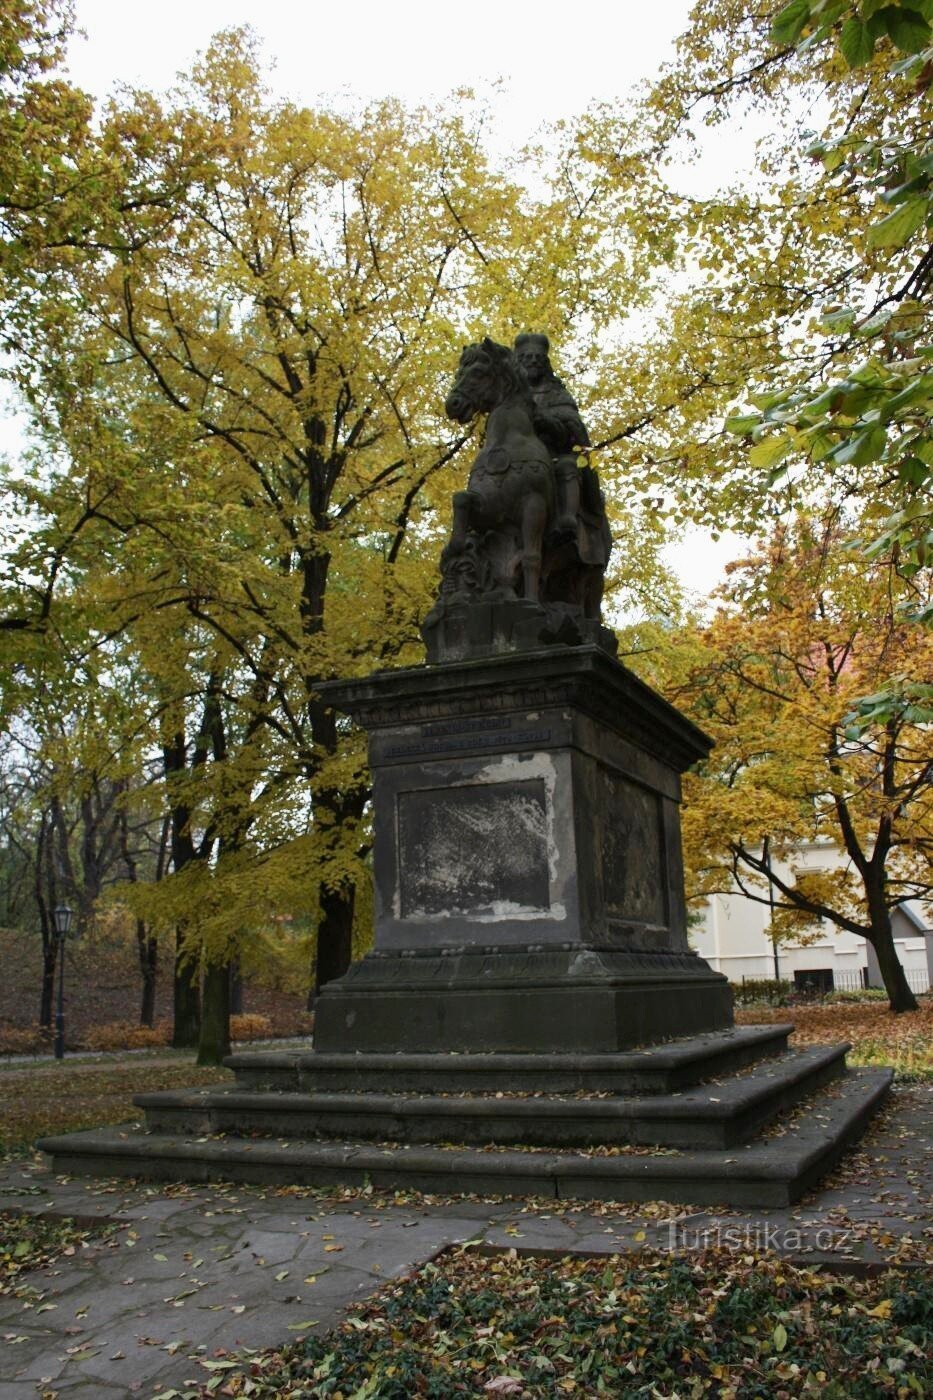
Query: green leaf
(839,320)
(771,399)
(896,228)
(742,423)
(789,22)
(820,444)
(869,7)
(767,454)
(912,471)
(779,1337)
(833,157)
(856,43)
(866,447)
(907,28)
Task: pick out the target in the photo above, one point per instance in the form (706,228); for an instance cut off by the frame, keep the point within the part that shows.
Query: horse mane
(506,363)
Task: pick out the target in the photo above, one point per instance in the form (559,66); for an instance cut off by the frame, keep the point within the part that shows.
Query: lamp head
(63,916)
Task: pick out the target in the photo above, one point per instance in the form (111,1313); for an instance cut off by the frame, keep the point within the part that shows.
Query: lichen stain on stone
(483,847)
(520,767)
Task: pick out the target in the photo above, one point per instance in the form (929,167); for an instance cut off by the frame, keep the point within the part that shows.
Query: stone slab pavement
(190,1273)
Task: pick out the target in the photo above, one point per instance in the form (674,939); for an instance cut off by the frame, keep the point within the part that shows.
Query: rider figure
(558,423)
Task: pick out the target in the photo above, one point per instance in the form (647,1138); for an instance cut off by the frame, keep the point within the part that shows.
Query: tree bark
(148,967)
(214,1042)
(47,999)
(900,997)
(335,926)
(45,901)
(334,936)
(186,998)
(236,989)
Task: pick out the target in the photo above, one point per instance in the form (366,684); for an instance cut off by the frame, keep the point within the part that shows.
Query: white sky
(555,59)
(552,61)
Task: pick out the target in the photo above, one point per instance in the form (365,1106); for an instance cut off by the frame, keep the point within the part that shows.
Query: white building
(733,938)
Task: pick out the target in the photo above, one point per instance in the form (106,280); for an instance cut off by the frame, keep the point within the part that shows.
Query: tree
(803,284)
(872,405)
(241,397)
(74,817)
(803,628)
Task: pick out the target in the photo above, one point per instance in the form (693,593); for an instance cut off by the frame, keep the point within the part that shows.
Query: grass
(711,1324)
(38,1098)
(44,1098)
(878,1037)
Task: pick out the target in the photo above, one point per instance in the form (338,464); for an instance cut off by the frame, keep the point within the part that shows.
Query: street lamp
(63,916)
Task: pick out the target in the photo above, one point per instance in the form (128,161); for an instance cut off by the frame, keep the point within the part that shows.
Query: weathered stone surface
(717,1115)
(655,1069)
(473,847)
(530,541)
(767,1172)
(529,885)
(581,999)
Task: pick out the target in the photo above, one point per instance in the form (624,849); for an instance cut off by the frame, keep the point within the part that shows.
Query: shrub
(25,1040)
(768,989)
(123,1035)
(862,994)
(250,1026)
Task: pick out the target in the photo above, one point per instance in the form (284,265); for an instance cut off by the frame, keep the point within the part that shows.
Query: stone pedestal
(527,862)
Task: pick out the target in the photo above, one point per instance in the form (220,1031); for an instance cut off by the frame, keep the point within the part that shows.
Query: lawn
(878,1037)
(712,1324)
(45,1097)
(36,1099)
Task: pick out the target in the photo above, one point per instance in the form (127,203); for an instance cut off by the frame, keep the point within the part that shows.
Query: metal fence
(853,979)
(821,982)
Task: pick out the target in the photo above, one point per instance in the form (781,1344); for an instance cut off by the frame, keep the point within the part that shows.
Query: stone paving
(189,1273)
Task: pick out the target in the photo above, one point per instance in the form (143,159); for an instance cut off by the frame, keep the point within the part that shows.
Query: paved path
(193,1272)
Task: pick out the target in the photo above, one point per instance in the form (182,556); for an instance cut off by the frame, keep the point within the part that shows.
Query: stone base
(768,1171)
(557,1000)
(459,630)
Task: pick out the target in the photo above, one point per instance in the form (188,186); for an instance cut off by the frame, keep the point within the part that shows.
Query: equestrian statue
(530,541)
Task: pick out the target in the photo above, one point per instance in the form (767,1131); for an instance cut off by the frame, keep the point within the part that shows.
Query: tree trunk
(187,998)
(214,1043)
(47,1000)
(236,989)
(881,938)
(900,997)
(334,936)
(148,967)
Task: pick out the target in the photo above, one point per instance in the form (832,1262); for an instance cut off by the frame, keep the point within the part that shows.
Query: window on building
(815,980)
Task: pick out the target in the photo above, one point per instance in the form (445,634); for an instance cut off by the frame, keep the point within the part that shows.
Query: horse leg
(534,521)
(463,503)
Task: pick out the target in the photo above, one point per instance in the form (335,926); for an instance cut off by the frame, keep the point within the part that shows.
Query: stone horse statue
(518,571)
(509,500)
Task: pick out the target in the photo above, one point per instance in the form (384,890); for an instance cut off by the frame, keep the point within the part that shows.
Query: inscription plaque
(474,848)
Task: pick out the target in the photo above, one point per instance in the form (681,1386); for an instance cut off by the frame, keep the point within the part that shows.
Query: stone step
(716,1115)
(772,1171)
(654,1069)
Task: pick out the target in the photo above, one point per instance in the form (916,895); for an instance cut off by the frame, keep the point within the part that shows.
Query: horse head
(488,374)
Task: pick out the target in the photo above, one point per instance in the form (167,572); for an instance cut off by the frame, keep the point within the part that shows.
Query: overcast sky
(552,61)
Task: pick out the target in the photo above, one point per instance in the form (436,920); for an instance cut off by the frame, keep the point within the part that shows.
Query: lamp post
(62,916)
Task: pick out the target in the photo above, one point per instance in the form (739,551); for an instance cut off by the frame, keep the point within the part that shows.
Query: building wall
(732,936)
